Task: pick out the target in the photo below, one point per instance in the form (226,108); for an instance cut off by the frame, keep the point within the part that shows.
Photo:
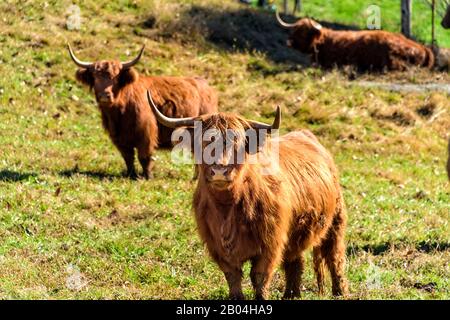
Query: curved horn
(166,121)
(315,24)
(131,63)
(282,23)
(78,62)
(274,126)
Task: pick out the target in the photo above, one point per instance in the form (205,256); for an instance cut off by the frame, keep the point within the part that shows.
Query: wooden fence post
(406,8)
(285,6)
(297,6)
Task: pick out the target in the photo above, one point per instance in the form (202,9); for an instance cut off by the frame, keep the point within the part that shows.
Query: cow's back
(372,49)
(311,180)
(208,96)
(179,97)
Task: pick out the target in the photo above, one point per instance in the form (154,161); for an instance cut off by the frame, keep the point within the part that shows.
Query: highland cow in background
(121,96)
(367,50)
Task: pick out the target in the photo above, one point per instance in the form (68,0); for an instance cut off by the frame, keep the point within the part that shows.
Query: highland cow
(267,212)
(367,50)
(120,94)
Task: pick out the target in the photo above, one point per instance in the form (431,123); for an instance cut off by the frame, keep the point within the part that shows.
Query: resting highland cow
(246,213)
(368,50)
(120,93)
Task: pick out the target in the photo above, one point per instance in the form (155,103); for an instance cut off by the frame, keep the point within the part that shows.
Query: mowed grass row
(72,227)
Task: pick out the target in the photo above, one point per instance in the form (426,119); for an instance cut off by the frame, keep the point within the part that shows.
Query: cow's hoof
(239,296)
(148,176)
(288,295)
(260,296)
(131,175)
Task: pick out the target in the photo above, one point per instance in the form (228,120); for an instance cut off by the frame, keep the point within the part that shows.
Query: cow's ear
(85,76)
(127,76)
(182,141)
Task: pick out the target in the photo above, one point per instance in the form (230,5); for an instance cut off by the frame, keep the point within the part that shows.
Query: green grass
(72,227)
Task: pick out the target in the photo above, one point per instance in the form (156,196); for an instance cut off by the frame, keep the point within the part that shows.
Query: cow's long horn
(282,23)
(166,121)
(78,62)
(275,125)
(131,63)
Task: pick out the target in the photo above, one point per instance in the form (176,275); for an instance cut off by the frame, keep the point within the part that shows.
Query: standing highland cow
(246,213)
(366,50)
(120,93)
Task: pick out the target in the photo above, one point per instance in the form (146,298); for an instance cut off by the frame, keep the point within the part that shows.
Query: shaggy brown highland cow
(367,50)
(120,93)
(246,213)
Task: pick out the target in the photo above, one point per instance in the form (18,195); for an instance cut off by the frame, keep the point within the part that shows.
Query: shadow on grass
(235,31)
(381,248)
(12,176)
(91,174)
(240,31)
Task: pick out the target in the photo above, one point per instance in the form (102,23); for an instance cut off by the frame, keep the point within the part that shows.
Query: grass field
(72,227)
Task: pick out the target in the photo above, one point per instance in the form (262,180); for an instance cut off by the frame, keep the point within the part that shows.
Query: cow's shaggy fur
(272,219)
(121,97)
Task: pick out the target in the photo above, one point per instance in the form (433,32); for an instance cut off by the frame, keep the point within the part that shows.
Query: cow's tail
(429,58)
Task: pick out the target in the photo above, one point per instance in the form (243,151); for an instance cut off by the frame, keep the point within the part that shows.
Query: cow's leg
(261,274)
(128,155)
(319,268)
(293,270)
(146,161)
(397,64)
(233,275)
(234,280)
(333,250)
(147,165)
